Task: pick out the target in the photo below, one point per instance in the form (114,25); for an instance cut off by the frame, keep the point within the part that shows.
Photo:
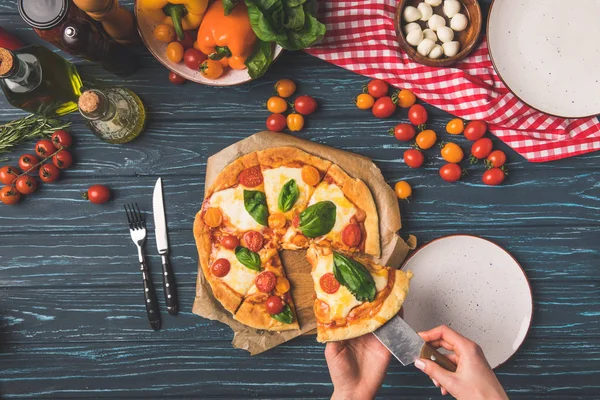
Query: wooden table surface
(72,318)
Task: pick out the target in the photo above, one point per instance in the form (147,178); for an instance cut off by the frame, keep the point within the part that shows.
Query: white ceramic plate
(473,286)
(231,76)
(548,53)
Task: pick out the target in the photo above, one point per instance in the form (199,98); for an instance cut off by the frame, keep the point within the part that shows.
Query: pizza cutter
(406,345)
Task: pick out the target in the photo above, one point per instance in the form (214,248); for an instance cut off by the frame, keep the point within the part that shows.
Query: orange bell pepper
(227,37)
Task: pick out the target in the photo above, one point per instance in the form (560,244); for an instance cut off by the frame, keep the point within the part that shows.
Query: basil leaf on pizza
(354,276)
(285,316)
(255,202)
(288,196)
(318,219)
(247,258)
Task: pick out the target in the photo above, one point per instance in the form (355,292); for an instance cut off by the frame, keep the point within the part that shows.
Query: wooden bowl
(467,38)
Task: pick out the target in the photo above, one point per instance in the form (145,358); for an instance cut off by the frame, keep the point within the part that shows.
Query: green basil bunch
(354,276)
(248,258)
(255,202)
(288,196)
(318,219)
(284,316)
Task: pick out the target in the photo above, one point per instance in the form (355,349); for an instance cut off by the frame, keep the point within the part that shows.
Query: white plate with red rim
(230,77)
(475,287)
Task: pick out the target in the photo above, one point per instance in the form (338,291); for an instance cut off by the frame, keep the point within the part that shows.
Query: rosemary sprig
(31,127)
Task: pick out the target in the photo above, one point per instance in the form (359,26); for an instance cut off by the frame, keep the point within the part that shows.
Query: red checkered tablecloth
(361,38)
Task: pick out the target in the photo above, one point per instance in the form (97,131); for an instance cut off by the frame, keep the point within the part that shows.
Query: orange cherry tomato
(211,69)
(175,52)
(276,105)
(282,286)
(406,98)
(403,190)
(310,175)
(213,217)
(365,101)
(452,153)
(426,139)
(277,221)
(164,33)
(285,88)
(295,122)
(455,126)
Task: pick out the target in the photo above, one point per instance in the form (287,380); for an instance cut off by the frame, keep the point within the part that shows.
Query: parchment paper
(394,249)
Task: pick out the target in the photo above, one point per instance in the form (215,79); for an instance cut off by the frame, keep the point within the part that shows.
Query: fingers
(332,349)
(451,337)
(453,358)
(441,343)
(443,377)
(437,384)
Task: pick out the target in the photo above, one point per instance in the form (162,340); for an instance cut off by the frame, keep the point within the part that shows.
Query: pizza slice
(353,296)
(341,213)
(290,177)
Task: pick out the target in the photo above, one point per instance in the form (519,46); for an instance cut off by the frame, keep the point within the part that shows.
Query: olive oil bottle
(37,80)
(116,115)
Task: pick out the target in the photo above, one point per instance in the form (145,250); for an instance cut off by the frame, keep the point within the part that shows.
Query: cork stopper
(89,102)
(7,61)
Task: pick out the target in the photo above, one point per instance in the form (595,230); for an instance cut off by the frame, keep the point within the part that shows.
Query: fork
(137,228)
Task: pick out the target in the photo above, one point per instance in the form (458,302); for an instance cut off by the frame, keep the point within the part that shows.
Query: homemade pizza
(285,198)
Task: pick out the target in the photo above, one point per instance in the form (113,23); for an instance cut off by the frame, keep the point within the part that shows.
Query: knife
(404,343)
(162,243)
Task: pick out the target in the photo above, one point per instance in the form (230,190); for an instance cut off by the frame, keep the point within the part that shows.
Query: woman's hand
(357,367)
(473,379)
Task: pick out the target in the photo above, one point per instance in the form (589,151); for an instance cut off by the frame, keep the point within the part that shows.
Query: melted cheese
(239,278)
(345,210)
(231,202)
(275,178)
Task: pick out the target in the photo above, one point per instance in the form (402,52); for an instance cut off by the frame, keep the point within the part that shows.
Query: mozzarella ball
(426,11)
(435,22)
(415,37)
(451,8)
(459,22)
(429,34)
(445,34)
(413,26)
(411,14)
(451,48)
(425,47)
(436,52)
(433,3)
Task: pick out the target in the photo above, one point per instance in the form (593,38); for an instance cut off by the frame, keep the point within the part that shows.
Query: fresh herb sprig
(33,126)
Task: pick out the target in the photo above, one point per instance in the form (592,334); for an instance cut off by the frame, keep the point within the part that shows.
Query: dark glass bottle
(85,40)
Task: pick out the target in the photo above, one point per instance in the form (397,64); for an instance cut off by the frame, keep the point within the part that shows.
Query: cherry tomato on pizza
(61,139)
(403,190)
(451,172)
(9,195)
(229,242)
(378,88)
(305,105)
(417,115)
(265,281)
(296,221)
(482,148)
(8,174)
(276,122)
(493,177)
(404,132)
(49,173)
(328,283)
(497,158)
(414,158)
(28,162)
(213,217)
(384,107)
(26,184)
(426,139)
(475,130)
(276,221)
(220,267)
(274,305)
(452,153)
(352,235)
(251,177)
(364,101)
(253,240)
(310,175)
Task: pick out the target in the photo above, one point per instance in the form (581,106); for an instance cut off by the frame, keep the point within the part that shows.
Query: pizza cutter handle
(429,353)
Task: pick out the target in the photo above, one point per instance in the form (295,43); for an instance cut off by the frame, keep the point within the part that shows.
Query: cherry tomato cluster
(375,97)
(49,159)
(278,105)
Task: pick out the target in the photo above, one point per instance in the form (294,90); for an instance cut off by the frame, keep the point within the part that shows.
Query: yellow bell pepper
(182,15)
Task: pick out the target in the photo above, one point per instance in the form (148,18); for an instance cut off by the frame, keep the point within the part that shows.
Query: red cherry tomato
(98,194)
(26,184)
(28,162)
(9,195)
(44,148)
(475,130)
(451,172)
(417,114)
(328,283)
(276,122)
(254,240)
(61,139)
(384,107)
(62,159)
(352,235)
(482,148)
(220,267)
(414,158)
(404,132)
(251,177)
(188,40)
(176,79)
(274,305)
(378,88)
(305,105)
(8,175)
(49,173)
(493,177)
(497,158)
(265,281)
(229,242)
(296,221)
(193,58)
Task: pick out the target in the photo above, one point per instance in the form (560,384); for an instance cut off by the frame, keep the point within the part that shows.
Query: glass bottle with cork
(116,115)
(37,80)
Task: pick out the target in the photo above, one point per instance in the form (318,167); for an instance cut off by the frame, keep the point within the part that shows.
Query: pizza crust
(253,313)
(358,193)
(286,156)
(229,176)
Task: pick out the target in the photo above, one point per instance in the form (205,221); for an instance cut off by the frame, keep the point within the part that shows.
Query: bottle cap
(7,61)
(45,14)
(89,101)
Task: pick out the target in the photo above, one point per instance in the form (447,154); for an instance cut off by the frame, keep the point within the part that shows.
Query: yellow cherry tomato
(365,101)
(406,98)
(452,153)
(403,190)
(277,105)
(426,139)
(285,88)
(211,69)
(295,122)
(164,33)
(456,126)
(175,52)
(197,46)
